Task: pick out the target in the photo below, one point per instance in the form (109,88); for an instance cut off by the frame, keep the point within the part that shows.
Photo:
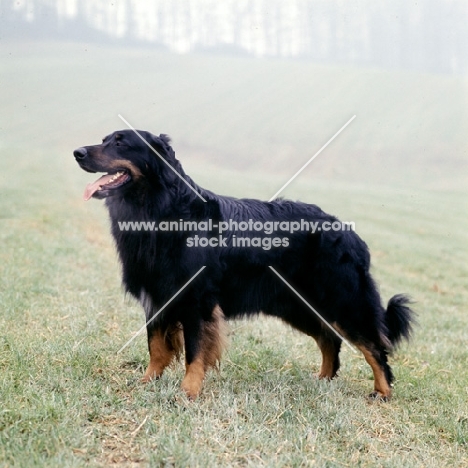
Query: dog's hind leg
(330,348)
(328,343)
(163,346)
(383,376)
(204,343)
(374,347)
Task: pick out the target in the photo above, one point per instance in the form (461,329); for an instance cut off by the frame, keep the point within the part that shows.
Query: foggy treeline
(431,35)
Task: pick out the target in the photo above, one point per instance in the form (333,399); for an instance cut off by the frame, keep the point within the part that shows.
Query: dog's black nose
(80,153)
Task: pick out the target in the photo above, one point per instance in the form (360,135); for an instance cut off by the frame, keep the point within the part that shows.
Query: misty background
(429,36)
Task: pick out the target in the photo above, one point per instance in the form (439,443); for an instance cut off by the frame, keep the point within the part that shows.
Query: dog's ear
(165,138)
(161,145)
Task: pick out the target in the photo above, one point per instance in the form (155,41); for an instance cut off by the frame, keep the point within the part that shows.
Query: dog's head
(127,158)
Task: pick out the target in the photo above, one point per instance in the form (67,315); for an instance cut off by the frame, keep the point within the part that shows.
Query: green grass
(68,399)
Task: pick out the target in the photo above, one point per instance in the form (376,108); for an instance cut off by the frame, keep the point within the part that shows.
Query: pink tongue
(95,186)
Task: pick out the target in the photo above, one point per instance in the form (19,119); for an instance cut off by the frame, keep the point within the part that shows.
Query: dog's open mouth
(107,182)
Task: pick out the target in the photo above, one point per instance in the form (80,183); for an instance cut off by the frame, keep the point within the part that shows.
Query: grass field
(68,399)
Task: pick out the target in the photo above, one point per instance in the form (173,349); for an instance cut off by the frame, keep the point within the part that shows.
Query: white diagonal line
(312,309)
(312,158)
(162,159)
(161,309)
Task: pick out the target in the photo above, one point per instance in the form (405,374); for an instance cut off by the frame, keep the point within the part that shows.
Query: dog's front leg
(163,345)
(204,343)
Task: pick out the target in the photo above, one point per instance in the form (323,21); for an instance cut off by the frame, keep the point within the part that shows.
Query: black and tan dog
(329,269)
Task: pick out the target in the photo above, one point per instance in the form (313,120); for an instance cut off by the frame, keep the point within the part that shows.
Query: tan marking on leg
(163,347)
(212,344)
(193,380)
(175,339)
(381,386)
(328,350)
(214,339)
(328,358)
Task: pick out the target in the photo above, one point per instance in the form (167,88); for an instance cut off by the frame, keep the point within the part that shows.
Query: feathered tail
(399,319)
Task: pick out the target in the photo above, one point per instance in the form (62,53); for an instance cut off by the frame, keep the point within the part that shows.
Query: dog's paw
(150,376)
(376,396)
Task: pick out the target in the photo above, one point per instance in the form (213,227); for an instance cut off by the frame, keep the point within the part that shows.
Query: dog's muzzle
(80,154)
